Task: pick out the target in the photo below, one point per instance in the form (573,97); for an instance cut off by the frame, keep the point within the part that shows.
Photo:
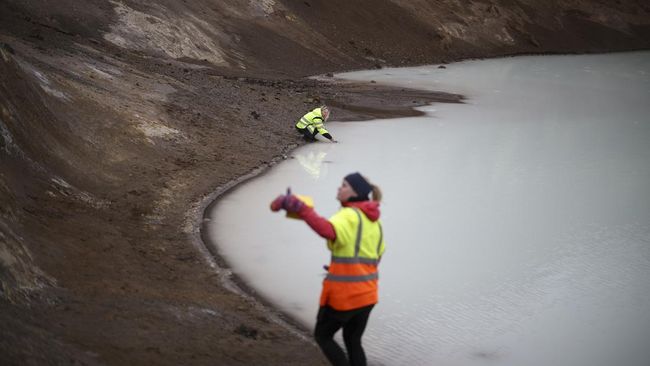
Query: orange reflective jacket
(352,278)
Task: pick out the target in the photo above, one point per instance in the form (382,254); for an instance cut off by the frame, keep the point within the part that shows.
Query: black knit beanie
(360,186)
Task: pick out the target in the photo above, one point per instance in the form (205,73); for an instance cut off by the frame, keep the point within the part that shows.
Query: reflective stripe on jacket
(352,278)
(312,121)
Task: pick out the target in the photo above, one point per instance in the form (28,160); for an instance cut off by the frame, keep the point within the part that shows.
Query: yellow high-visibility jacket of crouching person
(312,123)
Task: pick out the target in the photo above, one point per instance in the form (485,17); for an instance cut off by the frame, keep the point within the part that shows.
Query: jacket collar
(369,208)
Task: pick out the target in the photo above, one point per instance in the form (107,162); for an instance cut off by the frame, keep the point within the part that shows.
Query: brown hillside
(120,119)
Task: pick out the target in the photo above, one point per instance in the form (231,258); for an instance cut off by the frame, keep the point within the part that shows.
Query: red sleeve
(318,223)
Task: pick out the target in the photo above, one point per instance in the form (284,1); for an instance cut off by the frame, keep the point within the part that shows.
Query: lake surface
(517,224)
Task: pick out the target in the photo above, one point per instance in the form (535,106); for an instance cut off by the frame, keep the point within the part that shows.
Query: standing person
(313,123)
(355,238)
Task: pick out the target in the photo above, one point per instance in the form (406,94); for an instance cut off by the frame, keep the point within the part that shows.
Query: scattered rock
(8,48)
(246,331)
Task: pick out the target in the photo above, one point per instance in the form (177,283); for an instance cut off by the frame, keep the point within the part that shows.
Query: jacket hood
(369,208)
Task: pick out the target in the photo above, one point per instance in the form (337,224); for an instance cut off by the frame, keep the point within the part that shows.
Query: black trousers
(309,136)
(353,322)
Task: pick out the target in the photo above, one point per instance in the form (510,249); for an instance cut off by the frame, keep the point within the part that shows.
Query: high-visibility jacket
(312,121)
(352,277)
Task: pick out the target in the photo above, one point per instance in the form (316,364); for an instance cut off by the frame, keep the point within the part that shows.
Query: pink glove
(292,204)
(276,205)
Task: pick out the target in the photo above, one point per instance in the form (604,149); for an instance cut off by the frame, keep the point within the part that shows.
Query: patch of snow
(102,73)
(44,82)
(264,6)
(6,135)
(152,129)
(77,193)
(180,36)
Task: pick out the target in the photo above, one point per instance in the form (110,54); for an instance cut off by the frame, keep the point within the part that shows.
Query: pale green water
(517,224)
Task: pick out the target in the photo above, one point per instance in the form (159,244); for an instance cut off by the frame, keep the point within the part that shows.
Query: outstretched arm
(293,204)
(328,136)
(318,223)
(324,132)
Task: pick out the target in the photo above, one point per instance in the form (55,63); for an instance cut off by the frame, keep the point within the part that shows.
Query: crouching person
(313,123)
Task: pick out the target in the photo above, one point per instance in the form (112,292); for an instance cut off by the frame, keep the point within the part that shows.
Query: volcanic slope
(119,118)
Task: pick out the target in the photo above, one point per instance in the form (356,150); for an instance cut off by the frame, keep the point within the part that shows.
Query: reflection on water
(312,161)
(517,224)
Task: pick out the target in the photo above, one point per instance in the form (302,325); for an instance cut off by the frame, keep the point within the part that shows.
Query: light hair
(325,111)
(376,193)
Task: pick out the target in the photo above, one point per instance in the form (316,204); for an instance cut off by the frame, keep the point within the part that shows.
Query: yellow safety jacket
(312,121)
(352,277)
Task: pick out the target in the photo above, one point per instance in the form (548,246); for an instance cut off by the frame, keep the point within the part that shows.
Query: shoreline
(228,278)
(353,113)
